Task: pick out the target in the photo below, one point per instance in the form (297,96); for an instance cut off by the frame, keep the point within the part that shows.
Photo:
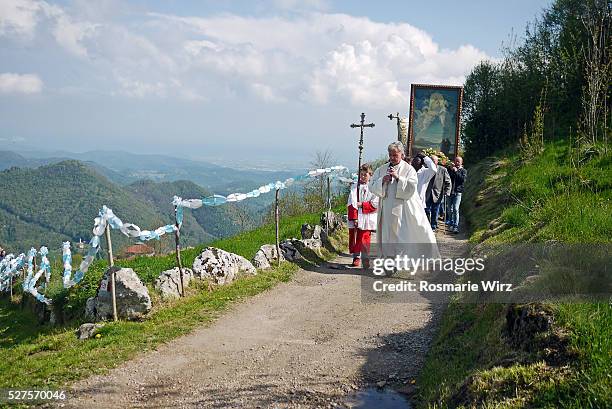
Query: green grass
(508,200)
(71,303)
(544,199)
(44,356)
(54,356)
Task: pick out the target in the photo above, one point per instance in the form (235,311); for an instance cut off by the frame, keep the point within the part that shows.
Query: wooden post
(328,206)
(398,118)
(111,264)
(23,276)
(277,221)
(177,238)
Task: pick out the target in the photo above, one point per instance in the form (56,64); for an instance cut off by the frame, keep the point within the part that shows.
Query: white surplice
(365,221)
(403,227)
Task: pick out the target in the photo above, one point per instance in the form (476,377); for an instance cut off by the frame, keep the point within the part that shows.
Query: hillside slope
(129,167)
(476,360)
(9,159)
(51,355)
(58,202)
(200,224)
(64,198)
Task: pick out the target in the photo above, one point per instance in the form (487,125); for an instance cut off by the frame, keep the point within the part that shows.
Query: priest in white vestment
(402,225)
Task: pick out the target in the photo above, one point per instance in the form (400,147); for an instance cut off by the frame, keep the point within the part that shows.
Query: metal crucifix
(360,125)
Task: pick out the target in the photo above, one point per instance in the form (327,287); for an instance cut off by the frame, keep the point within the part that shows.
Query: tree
(596,21)
(315,190)
(563,60)
(480,90)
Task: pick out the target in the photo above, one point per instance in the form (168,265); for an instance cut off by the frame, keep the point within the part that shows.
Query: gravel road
(310,342)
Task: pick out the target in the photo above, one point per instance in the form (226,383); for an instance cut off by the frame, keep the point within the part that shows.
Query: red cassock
(359,240)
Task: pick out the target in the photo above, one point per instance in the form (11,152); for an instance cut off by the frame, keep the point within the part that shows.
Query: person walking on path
(458,175)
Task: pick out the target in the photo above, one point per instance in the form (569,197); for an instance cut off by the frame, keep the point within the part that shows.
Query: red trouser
(362,244)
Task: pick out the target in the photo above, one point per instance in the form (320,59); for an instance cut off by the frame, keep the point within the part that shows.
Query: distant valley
(45,201)
(125,168)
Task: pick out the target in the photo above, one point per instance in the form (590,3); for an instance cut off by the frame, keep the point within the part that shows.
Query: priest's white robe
(402,225)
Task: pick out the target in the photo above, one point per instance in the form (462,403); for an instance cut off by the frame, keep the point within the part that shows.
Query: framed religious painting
(435,112)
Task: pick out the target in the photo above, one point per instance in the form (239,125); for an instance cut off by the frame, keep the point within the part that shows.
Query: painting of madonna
(434,118)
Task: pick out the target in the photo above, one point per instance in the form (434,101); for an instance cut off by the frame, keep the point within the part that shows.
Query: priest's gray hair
(396,146)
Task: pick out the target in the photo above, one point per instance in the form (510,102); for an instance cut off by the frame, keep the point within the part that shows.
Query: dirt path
(306,343)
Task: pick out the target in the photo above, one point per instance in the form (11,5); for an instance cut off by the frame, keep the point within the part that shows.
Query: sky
(227,81)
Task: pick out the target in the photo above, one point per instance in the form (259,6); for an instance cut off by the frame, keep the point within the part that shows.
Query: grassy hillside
(473,362)
(63,199)
(58,202)
(200,224)
(43,356)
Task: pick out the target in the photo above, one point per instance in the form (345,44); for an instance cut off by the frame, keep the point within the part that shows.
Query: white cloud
(70,35)
(139,89)
(18,17)
(11,83)
(21,18)
(301,4)
(319,57)
(356,72)
(315,57)
(379,74)
(266,93)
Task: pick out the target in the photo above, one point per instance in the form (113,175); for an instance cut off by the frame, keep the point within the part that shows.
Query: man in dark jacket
(458,175)
(439,186)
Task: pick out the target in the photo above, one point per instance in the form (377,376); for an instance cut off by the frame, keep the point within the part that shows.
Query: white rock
(87,330)
(169,282)
(265,256)
(221,266)
(270,251)
(133,300)
(260,261)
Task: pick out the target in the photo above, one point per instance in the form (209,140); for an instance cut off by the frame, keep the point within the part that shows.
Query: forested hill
(59,202)
(10,159)
(124,168)
(199,224)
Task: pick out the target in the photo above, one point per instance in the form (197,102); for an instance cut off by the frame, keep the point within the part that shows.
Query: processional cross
(360,125)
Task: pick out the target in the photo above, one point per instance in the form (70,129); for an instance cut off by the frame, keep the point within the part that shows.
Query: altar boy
(361,218)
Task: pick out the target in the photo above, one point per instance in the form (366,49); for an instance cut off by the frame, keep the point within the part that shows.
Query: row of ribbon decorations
(336,172)
(11,265)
